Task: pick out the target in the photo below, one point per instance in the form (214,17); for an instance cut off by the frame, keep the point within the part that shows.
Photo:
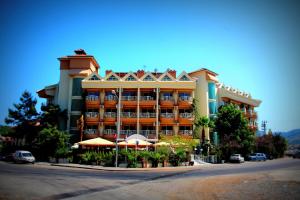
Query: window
(212,108)
(166,78)
(112,78)
(211,91)
(94,77)
(148,78)
(184,78)
(130,78)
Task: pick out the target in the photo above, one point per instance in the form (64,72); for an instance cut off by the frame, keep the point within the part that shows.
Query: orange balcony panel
(186,120)
(147,120)
(90,136)
(184,103)
(110,119)
(92,103)
(129,120)
(129,103)
(92,120)
(165,120)
(110,103)
(166,103)
(148,103)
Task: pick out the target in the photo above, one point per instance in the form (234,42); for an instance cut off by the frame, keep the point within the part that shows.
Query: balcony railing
(128,132)
(129,98)
(90,131)
(185,132)
(147,115)
(147,98)
(167,98)
(147,132)
(185,98)
(167,115)
(110,131)
(92,98)
(91,114)
(111,98)
(129,114)
(110,114)
(186,115)
(167,132)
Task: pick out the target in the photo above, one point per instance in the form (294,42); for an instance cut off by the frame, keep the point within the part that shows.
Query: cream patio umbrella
(135,142)
(96,142)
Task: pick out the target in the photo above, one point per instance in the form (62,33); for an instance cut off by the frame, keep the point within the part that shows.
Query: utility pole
(264,126)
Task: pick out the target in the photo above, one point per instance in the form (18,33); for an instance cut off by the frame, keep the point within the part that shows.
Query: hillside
(293,136)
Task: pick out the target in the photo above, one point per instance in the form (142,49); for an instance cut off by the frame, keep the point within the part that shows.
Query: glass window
(112,78)
(212,107)
(76,89)
(148,78)
(184,78)
(166,78)
(130,78)
(211,91)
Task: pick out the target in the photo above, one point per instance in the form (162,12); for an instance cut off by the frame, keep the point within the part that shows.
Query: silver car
(23,157)
(257,157)
(236,158)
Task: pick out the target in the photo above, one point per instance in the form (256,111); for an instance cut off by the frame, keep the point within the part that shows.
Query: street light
(118,124)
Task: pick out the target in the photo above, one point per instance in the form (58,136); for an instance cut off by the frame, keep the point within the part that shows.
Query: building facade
(146,103)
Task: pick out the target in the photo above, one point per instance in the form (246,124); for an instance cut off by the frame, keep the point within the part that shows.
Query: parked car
(8,157)
(23,157)
(297,155)
(257,157)
(236,158)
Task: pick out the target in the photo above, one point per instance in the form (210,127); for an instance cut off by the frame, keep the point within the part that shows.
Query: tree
(52,142)
(235,135)
(272,145)
(52,115)
(24,117)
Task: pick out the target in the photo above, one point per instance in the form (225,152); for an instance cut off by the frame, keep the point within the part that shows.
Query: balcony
(166,101)
(92,101)
(128,117)
(147,117)
(127,132)
(185,101)
(110,101)
(150,134)
(110,134)
(186,118)
(110,117)
(249,113)
(186,133)
(147,101)
(166,118)
(91,133)
(92,117)
(129,101)
(167,132)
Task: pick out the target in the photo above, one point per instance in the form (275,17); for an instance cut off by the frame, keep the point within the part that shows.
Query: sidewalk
(97,167)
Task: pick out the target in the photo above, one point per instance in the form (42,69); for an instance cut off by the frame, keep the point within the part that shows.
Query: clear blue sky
(252,45)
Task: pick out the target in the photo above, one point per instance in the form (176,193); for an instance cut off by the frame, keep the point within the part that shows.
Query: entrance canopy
(96,142)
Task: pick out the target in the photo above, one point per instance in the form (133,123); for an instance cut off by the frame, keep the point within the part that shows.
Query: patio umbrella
(96,142)
(135,142)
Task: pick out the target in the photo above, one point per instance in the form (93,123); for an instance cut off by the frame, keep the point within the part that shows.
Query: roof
(204,69)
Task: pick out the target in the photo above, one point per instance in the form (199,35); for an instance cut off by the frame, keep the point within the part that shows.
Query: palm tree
(204,122)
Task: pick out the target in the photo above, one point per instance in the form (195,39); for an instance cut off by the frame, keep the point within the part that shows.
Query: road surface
(271,179)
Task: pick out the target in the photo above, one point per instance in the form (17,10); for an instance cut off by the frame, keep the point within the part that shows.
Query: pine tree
(24,118)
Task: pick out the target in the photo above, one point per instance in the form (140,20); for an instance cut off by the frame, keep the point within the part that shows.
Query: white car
(23,157)
(236,158)
(258,157)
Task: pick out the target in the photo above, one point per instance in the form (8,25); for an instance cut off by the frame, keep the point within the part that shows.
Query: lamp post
(118,124)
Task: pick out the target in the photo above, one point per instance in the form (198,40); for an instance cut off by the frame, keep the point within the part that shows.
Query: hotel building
(146,103)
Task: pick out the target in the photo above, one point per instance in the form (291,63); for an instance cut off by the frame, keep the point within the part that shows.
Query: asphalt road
(38,181)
